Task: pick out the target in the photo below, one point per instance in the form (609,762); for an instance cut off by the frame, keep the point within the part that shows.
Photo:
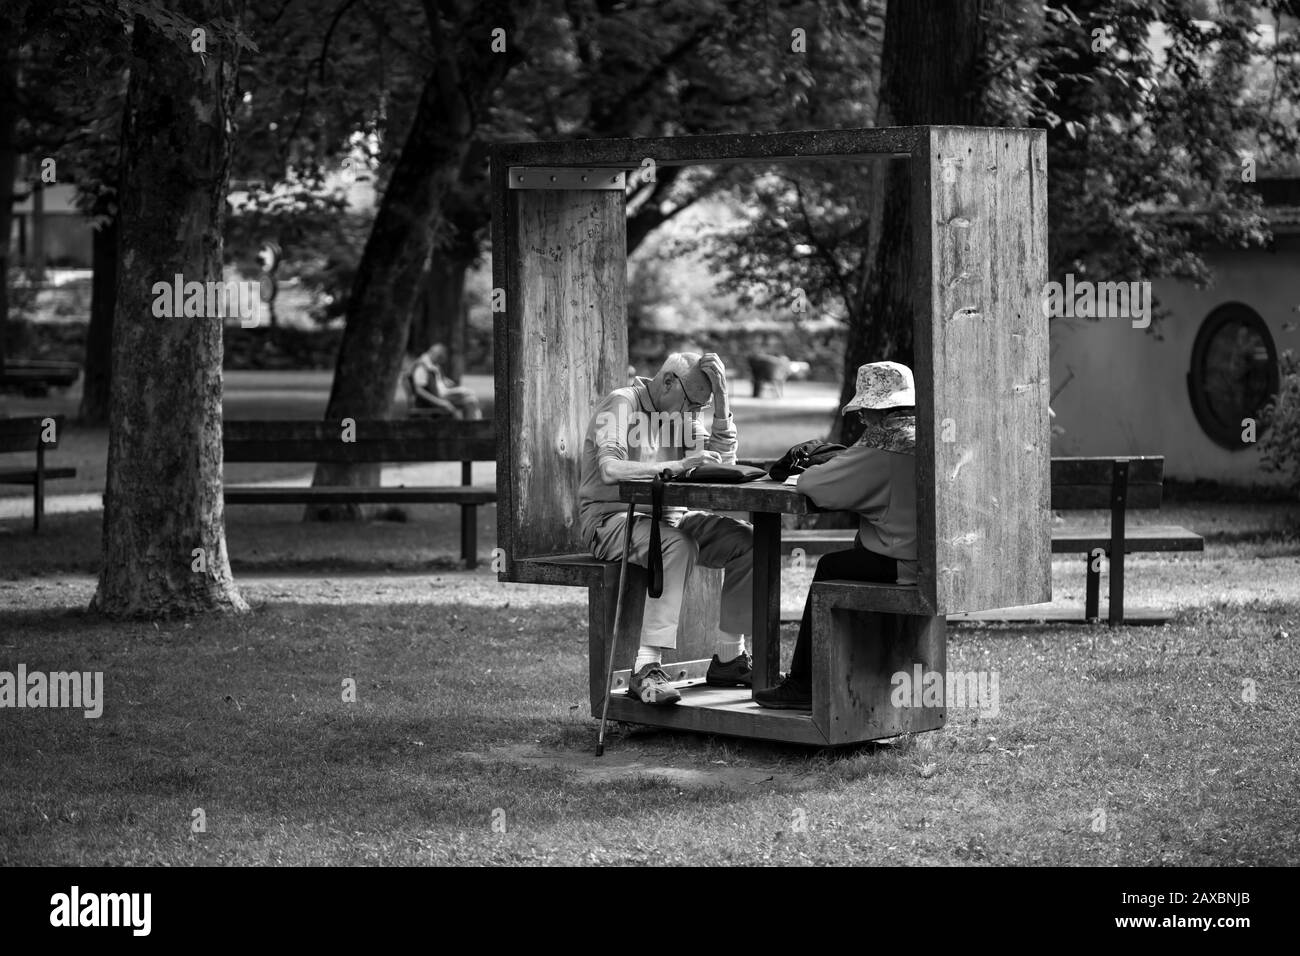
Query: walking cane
(618,619)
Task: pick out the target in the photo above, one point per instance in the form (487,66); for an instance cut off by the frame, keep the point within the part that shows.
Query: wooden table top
(765,495)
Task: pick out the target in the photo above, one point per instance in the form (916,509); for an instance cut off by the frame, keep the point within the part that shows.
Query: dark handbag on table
(803,456)
(721,474)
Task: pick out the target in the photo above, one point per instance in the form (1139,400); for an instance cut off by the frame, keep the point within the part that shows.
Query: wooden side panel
(566,338)
(982,369)
(855,657)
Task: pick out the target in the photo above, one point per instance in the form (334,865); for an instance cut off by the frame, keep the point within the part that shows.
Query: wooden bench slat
(571,570)
(376,440)
(25,434)
(27,476)
(1067,540)
(339,494)
(1088,497)
(864,596)
(398,449)
(1089,470)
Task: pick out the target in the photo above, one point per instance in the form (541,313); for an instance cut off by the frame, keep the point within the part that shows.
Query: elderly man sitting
(637,432)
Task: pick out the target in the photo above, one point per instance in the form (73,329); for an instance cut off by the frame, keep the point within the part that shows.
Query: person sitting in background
(430,389)
(877,479)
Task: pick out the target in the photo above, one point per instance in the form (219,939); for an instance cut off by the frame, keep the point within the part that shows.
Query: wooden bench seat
(368,442)
(37,434)
(1067,539)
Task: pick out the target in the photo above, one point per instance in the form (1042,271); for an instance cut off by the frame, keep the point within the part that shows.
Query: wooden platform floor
(718,710)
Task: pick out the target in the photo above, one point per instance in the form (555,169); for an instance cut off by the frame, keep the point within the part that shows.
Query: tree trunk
(917,87)
(98,367)
(8,165)
(398,250)
(164,521)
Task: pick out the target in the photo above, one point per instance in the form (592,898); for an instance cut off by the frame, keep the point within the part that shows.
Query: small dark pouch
(803,456)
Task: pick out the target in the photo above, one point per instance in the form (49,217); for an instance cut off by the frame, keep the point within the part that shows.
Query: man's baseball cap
(883,385)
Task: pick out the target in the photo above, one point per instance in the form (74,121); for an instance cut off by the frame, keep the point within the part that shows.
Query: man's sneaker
(650,685)
(790,694)
(737,672)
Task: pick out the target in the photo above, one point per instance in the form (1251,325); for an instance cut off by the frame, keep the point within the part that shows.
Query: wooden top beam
(719,148)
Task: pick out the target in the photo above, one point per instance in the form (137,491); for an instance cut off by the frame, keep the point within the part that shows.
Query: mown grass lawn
(457,676)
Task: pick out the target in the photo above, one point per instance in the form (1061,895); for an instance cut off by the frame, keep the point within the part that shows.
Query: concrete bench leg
(855,657)
(469,535)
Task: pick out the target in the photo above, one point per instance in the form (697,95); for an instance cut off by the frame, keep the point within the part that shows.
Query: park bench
(35,377)
(374,441)
(1079,484)
(39,434)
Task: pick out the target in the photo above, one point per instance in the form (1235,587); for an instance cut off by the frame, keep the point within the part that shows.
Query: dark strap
(655,571)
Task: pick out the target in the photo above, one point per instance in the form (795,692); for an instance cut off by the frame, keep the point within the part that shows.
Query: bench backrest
(28,434)
(1084,483)
(371,440)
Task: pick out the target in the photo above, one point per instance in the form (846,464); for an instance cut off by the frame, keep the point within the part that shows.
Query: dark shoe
(650,685)
(737,672)
(790,694)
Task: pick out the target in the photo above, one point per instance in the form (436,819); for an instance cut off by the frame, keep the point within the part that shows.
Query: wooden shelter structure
(978,261)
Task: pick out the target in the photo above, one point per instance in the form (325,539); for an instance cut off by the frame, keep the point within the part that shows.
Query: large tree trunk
(931,73)
(98,367)
(397,253)
(164,520)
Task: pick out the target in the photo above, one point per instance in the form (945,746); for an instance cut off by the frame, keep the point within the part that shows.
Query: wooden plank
(982,369)
(27,476)
(769,496)
(567,344)
(1097,470)
(855,656)
(397,440)
(1095,497)
(1049,614)
(505,386)
(546,571)
(714,148)
(334,494)
(717,710)
(863,596)
(1077,540)
(24,434)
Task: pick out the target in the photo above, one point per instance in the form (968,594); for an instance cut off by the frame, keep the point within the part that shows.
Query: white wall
(1124,390)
